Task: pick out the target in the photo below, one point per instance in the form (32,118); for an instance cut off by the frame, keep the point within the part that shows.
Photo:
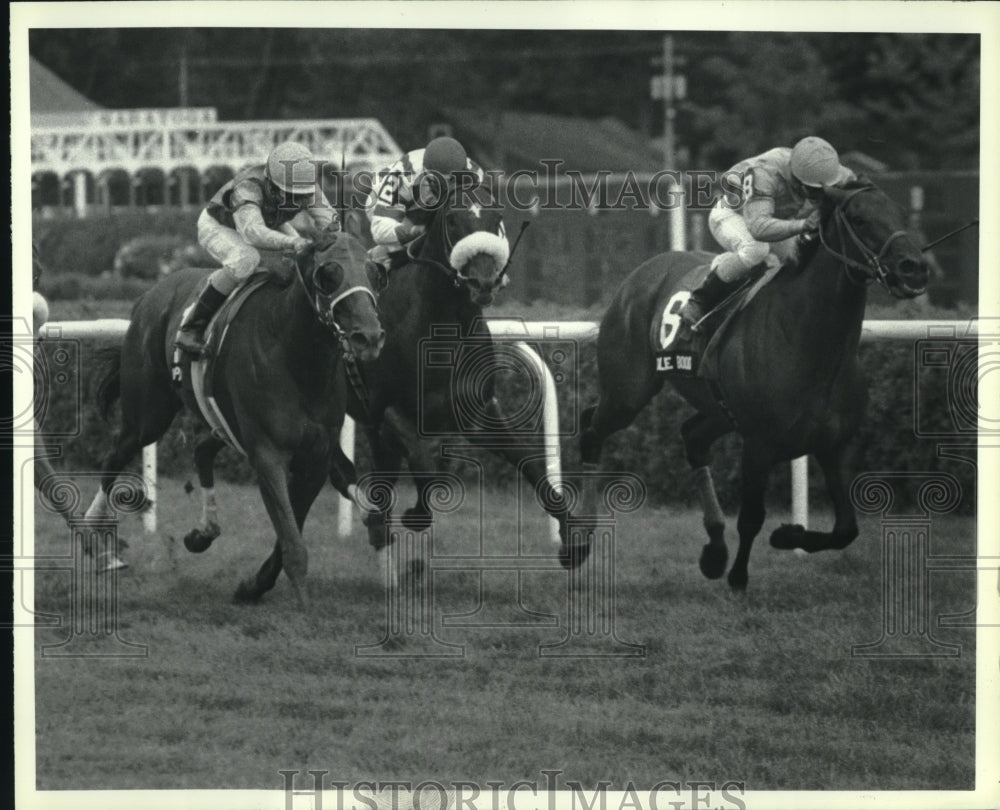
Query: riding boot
(712,291)
(191,335)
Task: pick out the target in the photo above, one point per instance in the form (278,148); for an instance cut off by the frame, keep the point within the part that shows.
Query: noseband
(872,269)
(455,274)
(325,314)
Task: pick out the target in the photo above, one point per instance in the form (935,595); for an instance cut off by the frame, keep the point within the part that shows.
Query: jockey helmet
(291,167)
(815,163)
(444,156)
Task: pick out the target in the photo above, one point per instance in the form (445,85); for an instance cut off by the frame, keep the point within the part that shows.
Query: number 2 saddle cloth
(194,376)
(680,351)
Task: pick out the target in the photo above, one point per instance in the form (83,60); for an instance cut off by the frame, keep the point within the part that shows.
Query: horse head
(866,231)
(466,238)
(332,269)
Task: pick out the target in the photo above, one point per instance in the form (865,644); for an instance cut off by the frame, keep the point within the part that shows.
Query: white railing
(519,331)
(170,145)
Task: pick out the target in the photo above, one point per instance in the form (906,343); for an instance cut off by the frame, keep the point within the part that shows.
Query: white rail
(519,331)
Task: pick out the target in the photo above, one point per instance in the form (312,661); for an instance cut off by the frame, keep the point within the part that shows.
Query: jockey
(411,186)
(780,200)
(258,208)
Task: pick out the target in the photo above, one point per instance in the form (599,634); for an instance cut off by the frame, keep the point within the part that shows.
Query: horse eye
(329,278)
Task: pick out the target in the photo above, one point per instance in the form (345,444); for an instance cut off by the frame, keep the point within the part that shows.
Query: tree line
(909,100)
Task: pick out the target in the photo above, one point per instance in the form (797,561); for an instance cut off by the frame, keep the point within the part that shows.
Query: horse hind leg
(837,466)
(699,432)
(755,471)
(201,536)
(617,407)
(146,415)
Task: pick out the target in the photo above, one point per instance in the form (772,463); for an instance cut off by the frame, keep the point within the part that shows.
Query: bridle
(325,312)
(326,316)
(872,269)
(440,227)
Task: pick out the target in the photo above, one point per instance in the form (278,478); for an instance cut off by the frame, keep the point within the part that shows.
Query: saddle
(195,376)
(695,354)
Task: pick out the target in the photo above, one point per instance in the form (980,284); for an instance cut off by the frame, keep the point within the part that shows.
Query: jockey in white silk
(412,185)
(258,209)
(781,190)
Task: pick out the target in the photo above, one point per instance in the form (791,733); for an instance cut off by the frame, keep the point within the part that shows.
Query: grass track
(759,688)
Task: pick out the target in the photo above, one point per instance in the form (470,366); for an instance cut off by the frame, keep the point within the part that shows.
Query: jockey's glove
(407,231)
(299,243)
(812,222)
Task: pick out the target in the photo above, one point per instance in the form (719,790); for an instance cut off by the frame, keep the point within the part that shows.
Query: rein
(872,268)
(328,319)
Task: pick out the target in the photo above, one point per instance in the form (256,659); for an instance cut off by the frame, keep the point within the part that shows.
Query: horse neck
(442,300)
(311,349)
(824,307)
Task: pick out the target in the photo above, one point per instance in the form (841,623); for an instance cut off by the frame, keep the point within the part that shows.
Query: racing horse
(277,381)
(786,375)
(432,305)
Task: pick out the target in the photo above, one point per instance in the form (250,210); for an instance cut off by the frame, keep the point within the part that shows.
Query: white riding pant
(744,252)
(239,260)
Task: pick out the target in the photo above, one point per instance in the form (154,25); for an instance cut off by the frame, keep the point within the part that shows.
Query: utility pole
(182,80)
(670,87)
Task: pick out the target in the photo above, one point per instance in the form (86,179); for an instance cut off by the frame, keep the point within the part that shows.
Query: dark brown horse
(432,306)
(278,383)
(787,377)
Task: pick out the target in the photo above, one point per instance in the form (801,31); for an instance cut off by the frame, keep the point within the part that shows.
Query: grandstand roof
(50,95)
(514,140)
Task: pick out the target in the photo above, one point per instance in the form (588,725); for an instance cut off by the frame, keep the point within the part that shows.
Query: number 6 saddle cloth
(678,350)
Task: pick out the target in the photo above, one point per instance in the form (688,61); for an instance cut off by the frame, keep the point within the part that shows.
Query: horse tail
(109,376)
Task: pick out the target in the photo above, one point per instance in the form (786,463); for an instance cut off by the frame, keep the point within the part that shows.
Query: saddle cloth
(696,353)
(195,376)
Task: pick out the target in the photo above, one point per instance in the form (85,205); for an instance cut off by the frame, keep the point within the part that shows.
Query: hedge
(898,373)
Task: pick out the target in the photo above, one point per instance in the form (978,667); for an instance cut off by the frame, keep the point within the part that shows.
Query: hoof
(247,594)
(197,540)
(737,580)
(713,560)
(574,556)
(417,521)
(788,536)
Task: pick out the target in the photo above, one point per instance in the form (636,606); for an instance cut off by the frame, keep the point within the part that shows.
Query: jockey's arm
(758,212)
(392,228)
(250,226)
(320,211)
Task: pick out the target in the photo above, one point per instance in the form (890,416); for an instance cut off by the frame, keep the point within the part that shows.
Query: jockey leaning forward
(259,208)
(403,193)
(782,189)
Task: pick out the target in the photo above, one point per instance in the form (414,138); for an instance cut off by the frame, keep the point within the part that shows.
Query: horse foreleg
(838,468)
(274,480)
(201,537)
(303,487)
(755,470)
(699,432)
(401,432)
